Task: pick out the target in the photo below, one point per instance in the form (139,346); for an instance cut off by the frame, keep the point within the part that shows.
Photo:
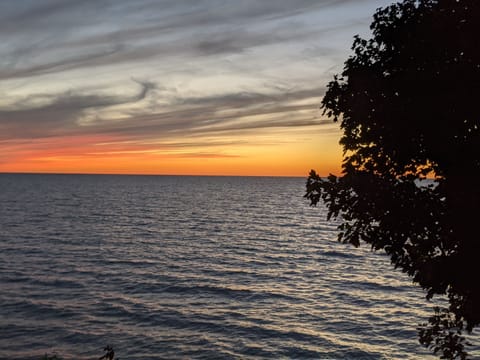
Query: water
(165,267)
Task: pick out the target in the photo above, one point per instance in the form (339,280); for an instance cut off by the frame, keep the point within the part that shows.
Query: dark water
(190,267)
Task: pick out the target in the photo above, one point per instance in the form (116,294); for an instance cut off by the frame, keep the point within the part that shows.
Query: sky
(202,87)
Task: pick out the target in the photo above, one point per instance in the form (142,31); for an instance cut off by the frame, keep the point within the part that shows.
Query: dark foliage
(407,104)
(51,357)
(109,355)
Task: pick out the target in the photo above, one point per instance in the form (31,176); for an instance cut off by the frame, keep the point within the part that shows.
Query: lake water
(165,267)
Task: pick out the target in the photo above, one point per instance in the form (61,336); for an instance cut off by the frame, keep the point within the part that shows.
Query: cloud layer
(194,75)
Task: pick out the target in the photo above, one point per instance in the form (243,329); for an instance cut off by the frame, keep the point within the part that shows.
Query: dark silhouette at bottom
(109,353)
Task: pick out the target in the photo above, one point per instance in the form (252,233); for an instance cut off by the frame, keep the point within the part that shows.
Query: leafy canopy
(407,104)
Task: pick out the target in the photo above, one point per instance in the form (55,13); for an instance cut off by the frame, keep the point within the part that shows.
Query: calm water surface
(165,267)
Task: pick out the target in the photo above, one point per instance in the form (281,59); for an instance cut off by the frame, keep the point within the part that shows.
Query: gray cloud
(81,60)
(55,36)
(117,51)
(70,40)
(190,117)
(59,115)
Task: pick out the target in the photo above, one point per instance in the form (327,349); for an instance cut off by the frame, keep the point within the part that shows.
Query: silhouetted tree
(408,104)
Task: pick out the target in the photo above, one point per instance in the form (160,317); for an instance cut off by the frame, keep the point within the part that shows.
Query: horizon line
(143,174)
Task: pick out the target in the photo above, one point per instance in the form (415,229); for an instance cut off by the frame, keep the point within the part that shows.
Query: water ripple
(191,267)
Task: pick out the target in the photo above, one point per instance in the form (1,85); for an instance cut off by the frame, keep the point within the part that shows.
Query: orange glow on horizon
(107,155)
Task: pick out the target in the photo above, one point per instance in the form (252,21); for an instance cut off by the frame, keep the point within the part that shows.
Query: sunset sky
(224,87)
